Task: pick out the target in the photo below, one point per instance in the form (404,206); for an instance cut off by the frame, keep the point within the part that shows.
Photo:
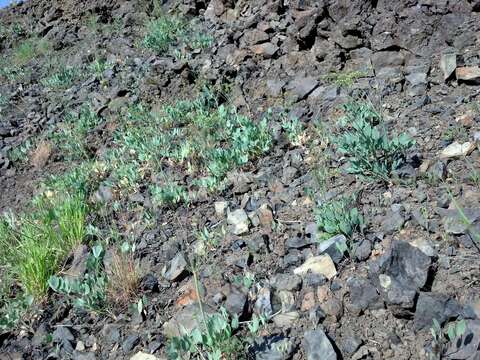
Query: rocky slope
(414,261)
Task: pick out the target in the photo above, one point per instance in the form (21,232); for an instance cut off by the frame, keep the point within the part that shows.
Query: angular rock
(332,247)
(267,50)
(393,222)
(143,356)
(238,221)
(263,304)
(287,282)
(186,320)
(434,306)
(317,346)
(130,342)
(236,302)
(363,250)
(363,295)
(286,320)
(458,224)
(468,73)
(400,273)
(276,347)
(176,268)
(448,64)
(456,149)
(321,264)
(301,87)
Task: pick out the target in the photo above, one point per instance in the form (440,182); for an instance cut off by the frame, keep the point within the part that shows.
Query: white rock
(322,264)
(456,149)
(238,221)
(143,356)
(220,208)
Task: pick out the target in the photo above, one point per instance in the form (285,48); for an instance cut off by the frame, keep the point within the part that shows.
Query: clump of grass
(35,244)
(70,136)
(123,276)
(102,288)
(29,50)
(163,32)
(371,152)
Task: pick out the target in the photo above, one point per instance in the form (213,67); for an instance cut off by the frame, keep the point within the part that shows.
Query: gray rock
(363,295)
(238,221)
(351,343)
(236,302)
(130,342)
(263,304)
(317,346)
(400,273)
(287,282)
(363,250)
(301,87)
(332,247)
(434,306)
(62,334)
(455,223)
(176,268)
(393,222)
(297,242)
(286,320)
(448,64)
(275,87)
(111,333)
(438,170)
(274,347)
(184,321)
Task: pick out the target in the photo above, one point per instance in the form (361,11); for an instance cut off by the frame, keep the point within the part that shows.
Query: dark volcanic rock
(434,306)
(318,346)
(400,273)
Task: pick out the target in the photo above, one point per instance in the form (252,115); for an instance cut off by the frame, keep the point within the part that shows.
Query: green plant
(20,153)
(339,216)
(247,280)
(344,79)
(163,32)
(70,136)
(63,78)
(197,140)
(171,194)
(441,338)
(98,67)
(214,338)
(201,41)
(89,292)
(35,244)
(12,310)
(371,153)
(29,50)
(294,130)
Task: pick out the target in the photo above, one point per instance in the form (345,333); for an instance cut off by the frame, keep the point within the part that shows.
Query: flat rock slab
(322,264)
